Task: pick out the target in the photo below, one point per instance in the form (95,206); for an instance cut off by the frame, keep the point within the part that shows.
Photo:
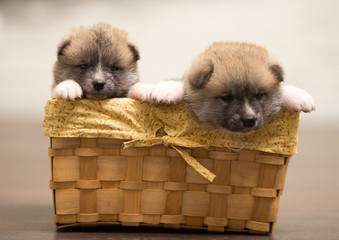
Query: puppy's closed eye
(259,95)
(83,66)
(115,68)
(227,98)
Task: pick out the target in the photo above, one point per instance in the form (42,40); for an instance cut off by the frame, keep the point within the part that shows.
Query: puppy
(233,86)
(95,62)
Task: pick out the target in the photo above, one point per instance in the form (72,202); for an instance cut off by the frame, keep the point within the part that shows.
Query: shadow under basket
(96,181)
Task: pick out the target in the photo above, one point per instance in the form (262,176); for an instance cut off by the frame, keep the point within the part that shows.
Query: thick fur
(95,62)
(234,86)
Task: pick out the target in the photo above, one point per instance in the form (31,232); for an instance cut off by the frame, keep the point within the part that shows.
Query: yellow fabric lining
(129,119)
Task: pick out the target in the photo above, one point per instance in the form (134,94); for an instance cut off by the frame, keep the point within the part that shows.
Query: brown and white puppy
(233,86)
(96,62)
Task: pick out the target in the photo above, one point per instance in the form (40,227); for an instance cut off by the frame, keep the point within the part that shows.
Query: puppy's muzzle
(249,121)
(98,85)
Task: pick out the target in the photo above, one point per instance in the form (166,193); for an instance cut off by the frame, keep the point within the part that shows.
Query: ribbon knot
(176,143)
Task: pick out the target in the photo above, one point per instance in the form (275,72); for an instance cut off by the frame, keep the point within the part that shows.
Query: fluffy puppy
(234,86)
(95,62)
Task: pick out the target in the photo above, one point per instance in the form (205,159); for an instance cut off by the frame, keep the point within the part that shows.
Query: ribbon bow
(176,143)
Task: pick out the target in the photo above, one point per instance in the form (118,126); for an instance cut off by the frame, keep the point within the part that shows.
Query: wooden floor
(309,208)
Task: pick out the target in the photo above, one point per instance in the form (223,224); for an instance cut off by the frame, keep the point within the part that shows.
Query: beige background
(303,35)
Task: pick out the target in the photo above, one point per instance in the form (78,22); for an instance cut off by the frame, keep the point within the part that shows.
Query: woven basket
(95,181)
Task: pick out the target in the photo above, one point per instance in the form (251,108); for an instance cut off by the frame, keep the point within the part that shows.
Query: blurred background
(303,35)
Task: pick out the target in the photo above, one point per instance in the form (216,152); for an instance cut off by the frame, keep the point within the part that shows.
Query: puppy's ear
(277,71)
(62,47)
(134,51)
(200,73)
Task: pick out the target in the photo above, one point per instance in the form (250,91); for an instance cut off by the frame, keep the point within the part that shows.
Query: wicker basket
(95,181)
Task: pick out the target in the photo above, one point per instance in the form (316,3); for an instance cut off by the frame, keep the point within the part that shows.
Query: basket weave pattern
(95,181)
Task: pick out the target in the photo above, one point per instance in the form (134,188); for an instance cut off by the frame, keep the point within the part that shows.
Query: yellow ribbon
(174,142)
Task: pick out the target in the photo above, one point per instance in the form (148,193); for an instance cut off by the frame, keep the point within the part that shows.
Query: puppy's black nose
(249,121)
(98,85)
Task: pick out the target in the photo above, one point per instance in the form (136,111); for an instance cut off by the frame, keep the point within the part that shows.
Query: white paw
(67,90)
(170,92)
(296,99)
(141,91)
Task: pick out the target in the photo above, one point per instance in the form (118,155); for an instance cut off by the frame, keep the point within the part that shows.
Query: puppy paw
(170,92)
(141,91)
(67,90)
(296,99)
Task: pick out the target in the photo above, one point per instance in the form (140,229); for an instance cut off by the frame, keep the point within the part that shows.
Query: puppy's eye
(83,66)
(259,96)
(115,68)
(227,98)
